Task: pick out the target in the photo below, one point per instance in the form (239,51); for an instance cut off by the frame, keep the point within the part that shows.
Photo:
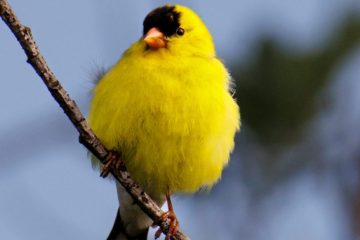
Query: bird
(167,106)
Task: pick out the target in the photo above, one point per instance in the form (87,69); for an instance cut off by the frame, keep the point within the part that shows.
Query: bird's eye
(180,31)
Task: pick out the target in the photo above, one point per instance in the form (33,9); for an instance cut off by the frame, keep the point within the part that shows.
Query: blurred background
(295,171)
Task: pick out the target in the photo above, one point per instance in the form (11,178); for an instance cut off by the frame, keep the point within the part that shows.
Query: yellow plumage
(169,111)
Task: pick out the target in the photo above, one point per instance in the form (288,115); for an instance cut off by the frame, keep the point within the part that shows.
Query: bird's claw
(111,160)
(173,227)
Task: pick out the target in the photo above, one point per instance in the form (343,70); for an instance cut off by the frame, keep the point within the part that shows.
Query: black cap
(165,18)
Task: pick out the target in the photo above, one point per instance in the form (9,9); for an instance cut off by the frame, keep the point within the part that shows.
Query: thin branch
(87,136)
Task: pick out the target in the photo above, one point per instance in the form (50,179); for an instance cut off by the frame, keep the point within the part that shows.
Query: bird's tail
(118,232)
(131,222)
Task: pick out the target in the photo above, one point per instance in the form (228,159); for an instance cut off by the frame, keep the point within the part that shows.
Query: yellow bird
(166,106)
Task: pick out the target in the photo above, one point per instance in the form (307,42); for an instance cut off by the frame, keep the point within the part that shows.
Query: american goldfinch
(166,106)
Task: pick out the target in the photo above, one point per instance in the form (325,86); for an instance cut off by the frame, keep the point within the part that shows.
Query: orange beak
(155,39)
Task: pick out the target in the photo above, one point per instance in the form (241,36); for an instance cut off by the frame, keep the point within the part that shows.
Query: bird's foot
(173,227)
(112,159)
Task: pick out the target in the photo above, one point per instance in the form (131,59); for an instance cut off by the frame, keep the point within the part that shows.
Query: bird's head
(177,29)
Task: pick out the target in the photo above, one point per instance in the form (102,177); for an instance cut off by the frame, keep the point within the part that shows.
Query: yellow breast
(174,123)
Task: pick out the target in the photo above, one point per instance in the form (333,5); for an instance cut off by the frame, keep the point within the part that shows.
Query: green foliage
(277,91)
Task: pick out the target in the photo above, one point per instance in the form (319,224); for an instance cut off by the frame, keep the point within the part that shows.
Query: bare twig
(87,137)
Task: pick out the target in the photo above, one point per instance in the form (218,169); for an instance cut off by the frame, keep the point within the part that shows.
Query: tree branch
(87,136)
